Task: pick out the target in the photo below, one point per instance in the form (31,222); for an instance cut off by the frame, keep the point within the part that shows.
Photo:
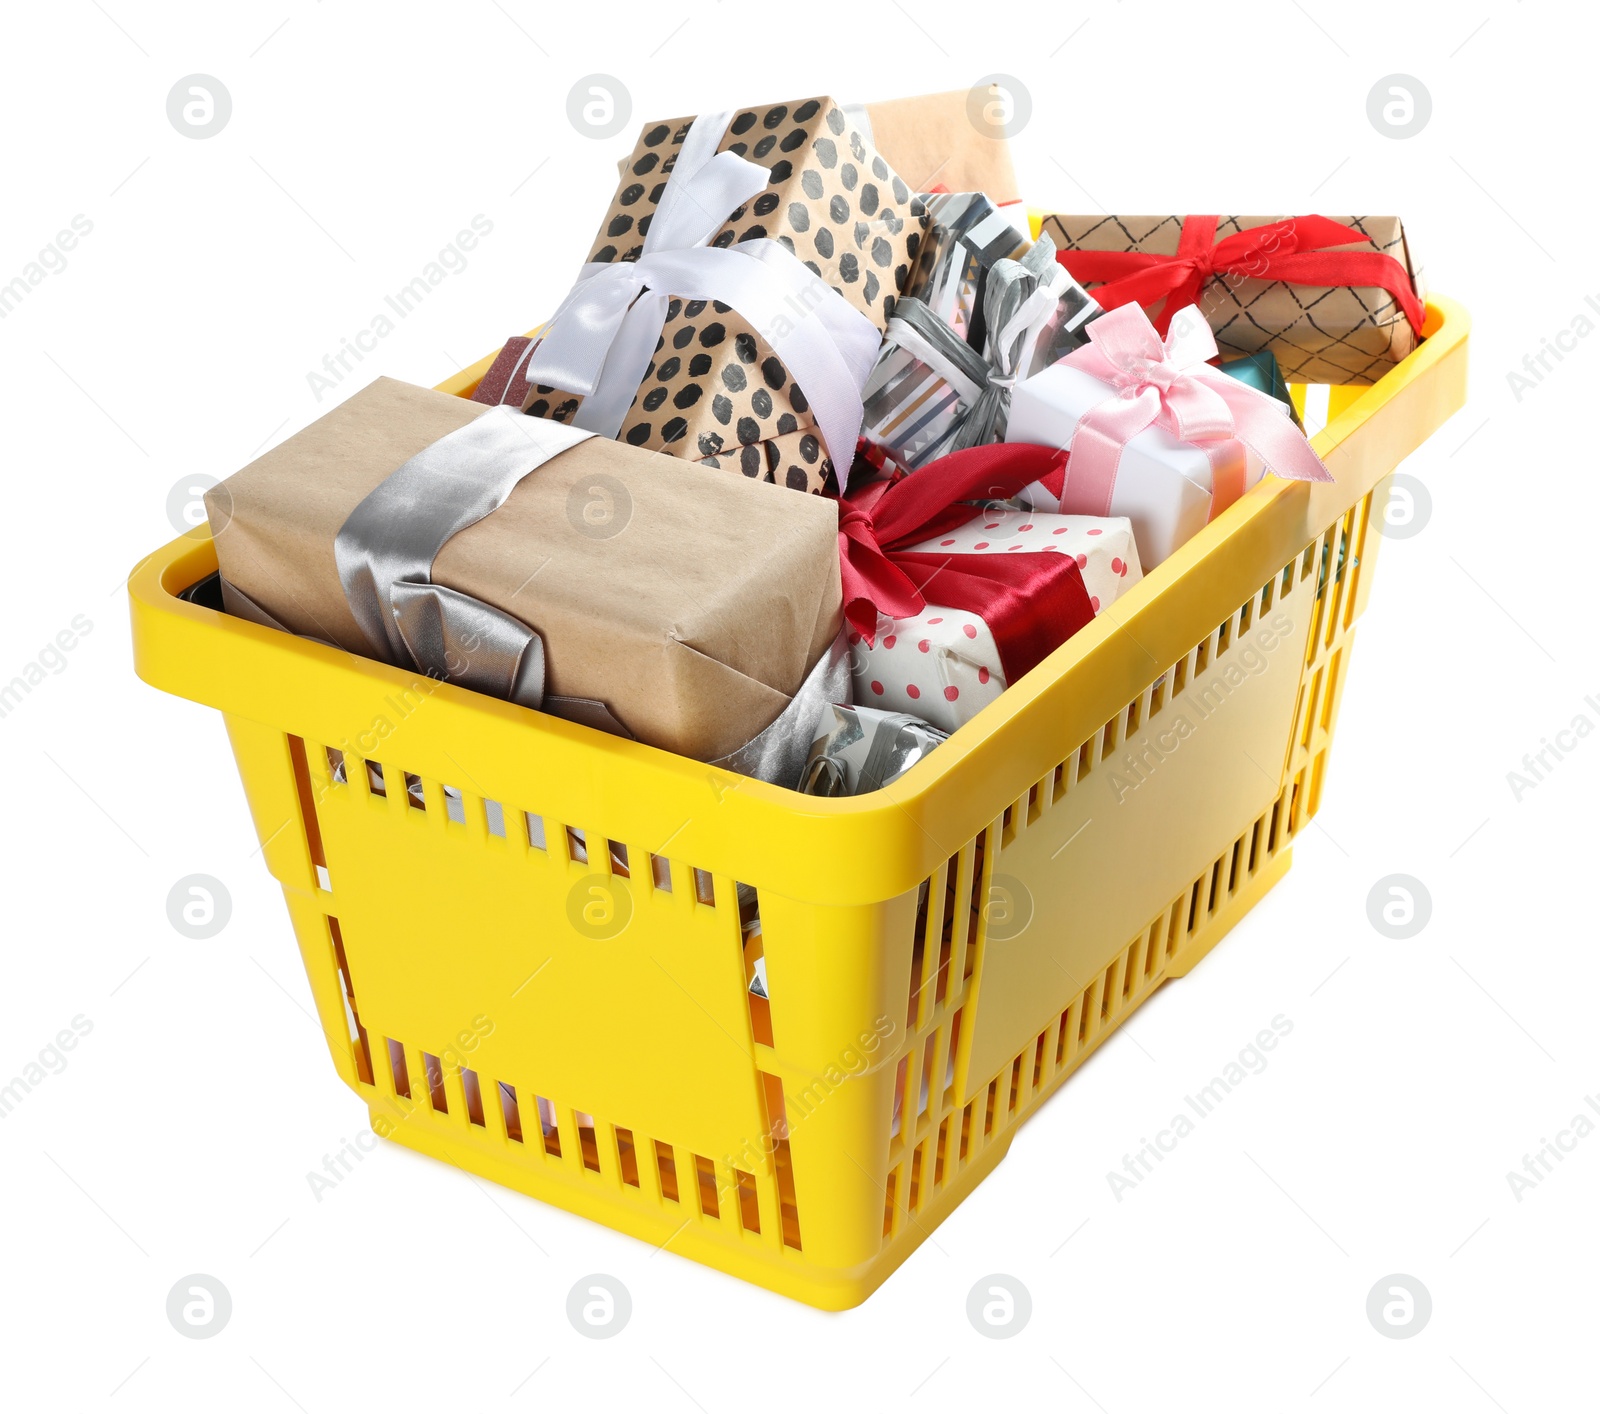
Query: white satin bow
(601,340)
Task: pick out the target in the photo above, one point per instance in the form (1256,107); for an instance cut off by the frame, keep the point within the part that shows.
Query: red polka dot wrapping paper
(943,665)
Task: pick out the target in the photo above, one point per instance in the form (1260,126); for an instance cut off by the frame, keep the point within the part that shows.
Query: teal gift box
(1261,372)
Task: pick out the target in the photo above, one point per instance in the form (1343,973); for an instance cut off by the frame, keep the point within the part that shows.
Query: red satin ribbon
(1295,250)
(1031,602)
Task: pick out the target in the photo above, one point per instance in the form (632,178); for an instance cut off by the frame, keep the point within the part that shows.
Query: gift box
(972,321)
(944,663)
(1338,300)
(1153,431)
(1261,372)
(558,569)
(862,749)
(964,233)
(935,143)
(505,384)
(794,459)
(915,399)
(1167,488)
(1106,549)
(920,575)
(737,290)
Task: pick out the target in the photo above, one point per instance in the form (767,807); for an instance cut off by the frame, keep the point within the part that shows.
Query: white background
(177,341)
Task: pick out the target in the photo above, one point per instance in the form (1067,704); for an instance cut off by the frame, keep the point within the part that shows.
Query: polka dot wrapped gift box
(943,664)
(734,299)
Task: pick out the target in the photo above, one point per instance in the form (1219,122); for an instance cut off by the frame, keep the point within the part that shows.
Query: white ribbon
(1029,317)
(950,359)
(601,339)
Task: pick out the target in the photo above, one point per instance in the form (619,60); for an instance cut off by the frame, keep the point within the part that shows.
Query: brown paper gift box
(716,384)
(1338,335)
(694,623)
(933,142)
(793,458)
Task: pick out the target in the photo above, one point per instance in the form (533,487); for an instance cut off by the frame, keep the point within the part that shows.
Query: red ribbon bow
(1296,250)
(1032,602)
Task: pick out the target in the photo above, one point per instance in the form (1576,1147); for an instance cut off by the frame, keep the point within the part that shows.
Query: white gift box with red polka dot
(943,664)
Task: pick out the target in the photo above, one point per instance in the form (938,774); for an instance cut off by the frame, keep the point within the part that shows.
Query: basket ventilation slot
(932,1147)
(725,1194)
(484,819)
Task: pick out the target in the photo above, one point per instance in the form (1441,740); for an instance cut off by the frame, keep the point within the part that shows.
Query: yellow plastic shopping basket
(525,938)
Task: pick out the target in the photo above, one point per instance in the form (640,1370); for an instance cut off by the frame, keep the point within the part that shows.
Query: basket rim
(939,782)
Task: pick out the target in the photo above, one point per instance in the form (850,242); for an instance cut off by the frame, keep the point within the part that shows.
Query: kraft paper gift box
(686,604)
(943,664)
(941,142)
(794,459)
(1340,333)
(832,230)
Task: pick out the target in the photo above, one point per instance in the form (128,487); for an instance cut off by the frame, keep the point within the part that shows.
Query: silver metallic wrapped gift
(863,748)
(963,236)
(910,407)
(982,309)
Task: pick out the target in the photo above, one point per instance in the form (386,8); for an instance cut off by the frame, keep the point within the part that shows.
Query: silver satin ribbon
(600,341)
(916,328)
(385,551)
(1019,299)
(386,548)
(778,754)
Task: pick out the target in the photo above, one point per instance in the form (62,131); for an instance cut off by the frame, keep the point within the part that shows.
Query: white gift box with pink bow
(942,665)
(1156,434)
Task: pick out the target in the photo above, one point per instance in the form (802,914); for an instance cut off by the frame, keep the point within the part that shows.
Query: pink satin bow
(1169,384)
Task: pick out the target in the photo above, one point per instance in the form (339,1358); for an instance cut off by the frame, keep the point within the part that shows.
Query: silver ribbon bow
(385,552)
(1034,312)
(386,548)
(601,339)
(1020,302)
